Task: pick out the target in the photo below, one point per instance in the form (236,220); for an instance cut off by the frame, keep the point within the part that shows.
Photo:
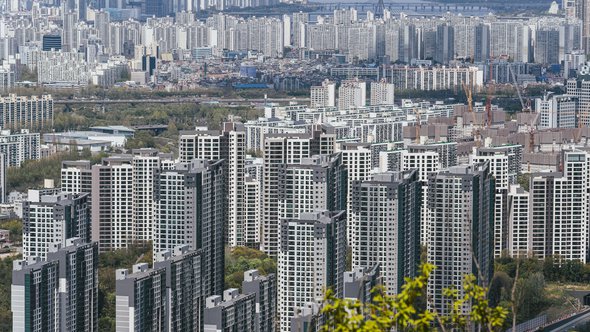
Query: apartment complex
(280,149)
(460,201)
(323,95)
(311,259)
(381,93)
(351,94)
(21,112)
(146,164)
(122,191)
(189,210)
(112,203)
(505,165)
(76,177)
(315,183)
(59,293)
(54,219)
(19,147)
(228,145)
(387,207)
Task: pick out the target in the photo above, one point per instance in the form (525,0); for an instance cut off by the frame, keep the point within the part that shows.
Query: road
(180,101)
(570,326)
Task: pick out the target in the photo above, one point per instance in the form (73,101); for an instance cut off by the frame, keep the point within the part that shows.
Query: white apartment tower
(189,210)
(557,111)
(311,259)
(382,93)
(228,144)
(541,190)
(146,164)
(54,219)
(520,232)
(315,183)
(580,87)
(505,165)
(112,203)
(570,222)
(76,177)
(428,159)
(351,94)
(252,211)
(385,228)
(280,149)
(323,95)
(357,158)
(20,112)
(460,202)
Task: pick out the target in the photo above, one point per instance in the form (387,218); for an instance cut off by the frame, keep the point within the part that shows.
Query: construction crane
(522,103)
(469,93)
(532,133)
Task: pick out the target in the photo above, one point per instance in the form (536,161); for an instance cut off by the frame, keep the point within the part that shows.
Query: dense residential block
(60,293)
(228,145)
(189,210)
(141,299)
(385,226)
(21,112)
(311,259)
(235,312)
(54,219)
(460,201)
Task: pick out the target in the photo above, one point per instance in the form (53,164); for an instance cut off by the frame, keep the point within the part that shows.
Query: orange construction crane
(469,93)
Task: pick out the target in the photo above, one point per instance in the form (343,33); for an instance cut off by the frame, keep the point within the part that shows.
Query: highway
(180,101)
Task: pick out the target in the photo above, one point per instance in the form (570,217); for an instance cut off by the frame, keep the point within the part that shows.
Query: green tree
(530,296)
(241,259)
(16,230)
(384,312)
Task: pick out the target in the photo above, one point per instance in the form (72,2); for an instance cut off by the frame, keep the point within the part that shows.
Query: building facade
(311,259)
(460,201)
(189,203)
(54,219)
(385,228)
(141,299)
(20,112)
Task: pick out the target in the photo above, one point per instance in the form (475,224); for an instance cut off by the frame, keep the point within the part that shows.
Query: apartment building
(460,201)
(189,210)
(311,259)
(385,227)
(53,219)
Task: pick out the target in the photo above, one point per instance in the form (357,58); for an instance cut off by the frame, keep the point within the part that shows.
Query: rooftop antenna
(379,9)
